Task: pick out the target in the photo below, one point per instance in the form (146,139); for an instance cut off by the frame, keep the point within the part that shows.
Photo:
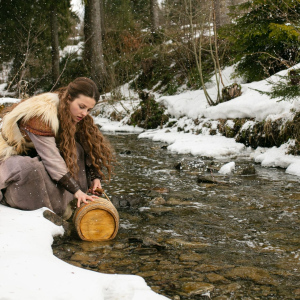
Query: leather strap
(69,183)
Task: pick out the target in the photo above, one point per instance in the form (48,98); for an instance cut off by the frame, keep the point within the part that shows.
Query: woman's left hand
(96,184)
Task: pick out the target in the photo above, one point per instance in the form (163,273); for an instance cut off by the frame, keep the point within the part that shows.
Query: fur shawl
(45,106)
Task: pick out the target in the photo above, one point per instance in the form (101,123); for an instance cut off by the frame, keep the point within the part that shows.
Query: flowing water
(232,237)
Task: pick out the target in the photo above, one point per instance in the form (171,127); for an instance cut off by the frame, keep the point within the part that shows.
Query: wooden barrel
(96,220)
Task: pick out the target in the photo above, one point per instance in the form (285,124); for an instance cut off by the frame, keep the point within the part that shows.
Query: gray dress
(30,183)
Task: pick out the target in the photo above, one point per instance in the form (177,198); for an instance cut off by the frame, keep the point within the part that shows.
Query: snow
(227,168)
(29,270)
(191,105)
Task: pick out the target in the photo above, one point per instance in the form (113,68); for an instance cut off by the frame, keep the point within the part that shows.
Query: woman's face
(80,107)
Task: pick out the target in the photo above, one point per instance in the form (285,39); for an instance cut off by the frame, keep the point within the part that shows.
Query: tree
(265,39)
(25,37)
(54,44)
(154,9)
(93,42)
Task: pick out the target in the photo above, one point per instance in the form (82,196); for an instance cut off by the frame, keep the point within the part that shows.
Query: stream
(228,237)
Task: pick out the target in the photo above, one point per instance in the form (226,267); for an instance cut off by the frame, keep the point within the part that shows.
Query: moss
(213,132)
(150,114)
(294,149)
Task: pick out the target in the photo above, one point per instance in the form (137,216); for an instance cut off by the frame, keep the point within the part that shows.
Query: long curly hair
(85,132)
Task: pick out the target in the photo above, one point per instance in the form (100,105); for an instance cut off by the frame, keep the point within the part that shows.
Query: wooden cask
(96,220)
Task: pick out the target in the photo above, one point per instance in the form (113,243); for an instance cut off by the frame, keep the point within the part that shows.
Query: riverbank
(30,271)
(224,131)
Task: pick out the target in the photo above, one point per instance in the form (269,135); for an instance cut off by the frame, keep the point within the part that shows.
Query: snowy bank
(192,105)
(30,271)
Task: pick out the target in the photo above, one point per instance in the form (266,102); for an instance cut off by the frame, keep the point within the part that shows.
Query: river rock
(145,251)
(158,201)
(186,244)
(147,274)
(97,246)
(297,292)
(197,288)
(248,170)
(120,245)
(160,210)
(83,257)
(229,288)
(125,152)
(190,257)
(161,190)
(206,179)
(212,268)
(173,201)
(127,201)
(213,278)
(257,275)
(148,242)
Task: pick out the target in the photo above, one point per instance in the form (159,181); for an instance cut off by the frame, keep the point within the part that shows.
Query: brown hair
(87,133)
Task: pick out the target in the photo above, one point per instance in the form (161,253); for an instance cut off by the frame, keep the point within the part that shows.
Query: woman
(51,150)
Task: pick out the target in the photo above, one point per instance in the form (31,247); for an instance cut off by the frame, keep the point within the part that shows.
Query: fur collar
(43,105)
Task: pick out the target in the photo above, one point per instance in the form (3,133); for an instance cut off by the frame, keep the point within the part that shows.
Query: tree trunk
(54,45)
(154,16)
(102,14)
(93,42)
(216,11)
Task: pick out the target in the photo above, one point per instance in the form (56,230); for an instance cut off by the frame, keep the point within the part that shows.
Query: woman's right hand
(83,197)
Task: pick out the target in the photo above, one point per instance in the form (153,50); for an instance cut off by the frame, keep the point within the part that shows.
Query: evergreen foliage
(25,37)
(285,89)
(265,39)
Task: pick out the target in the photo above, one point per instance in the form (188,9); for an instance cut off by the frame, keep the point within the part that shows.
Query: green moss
(150,114)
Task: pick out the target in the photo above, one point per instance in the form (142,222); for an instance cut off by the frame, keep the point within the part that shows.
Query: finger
(78,203)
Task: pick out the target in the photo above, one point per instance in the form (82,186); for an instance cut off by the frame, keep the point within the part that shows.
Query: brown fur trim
(38,126)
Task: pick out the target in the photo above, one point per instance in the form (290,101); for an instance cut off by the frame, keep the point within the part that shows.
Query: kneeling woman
(51,151)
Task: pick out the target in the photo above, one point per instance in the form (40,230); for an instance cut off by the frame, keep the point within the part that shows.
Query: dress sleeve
(53,161)
(49,153)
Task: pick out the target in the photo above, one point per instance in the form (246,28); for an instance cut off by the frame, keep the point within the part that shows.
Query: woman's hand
(96,184)
(83,197)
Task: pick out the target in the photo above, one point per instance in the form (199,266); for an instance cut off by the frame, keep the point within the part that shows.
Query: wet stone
(297,292)
(161,190)
(197,288)
(81,256)
(258,275)
(158,201)
(191,257)
(155,289)
(229,288)
(214,278)
(147,274)
(186,244)
(173,201)
(96,246)
(212,268)
(248,170)
(159,210)
(92,265)
(120,246)
(145,251)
